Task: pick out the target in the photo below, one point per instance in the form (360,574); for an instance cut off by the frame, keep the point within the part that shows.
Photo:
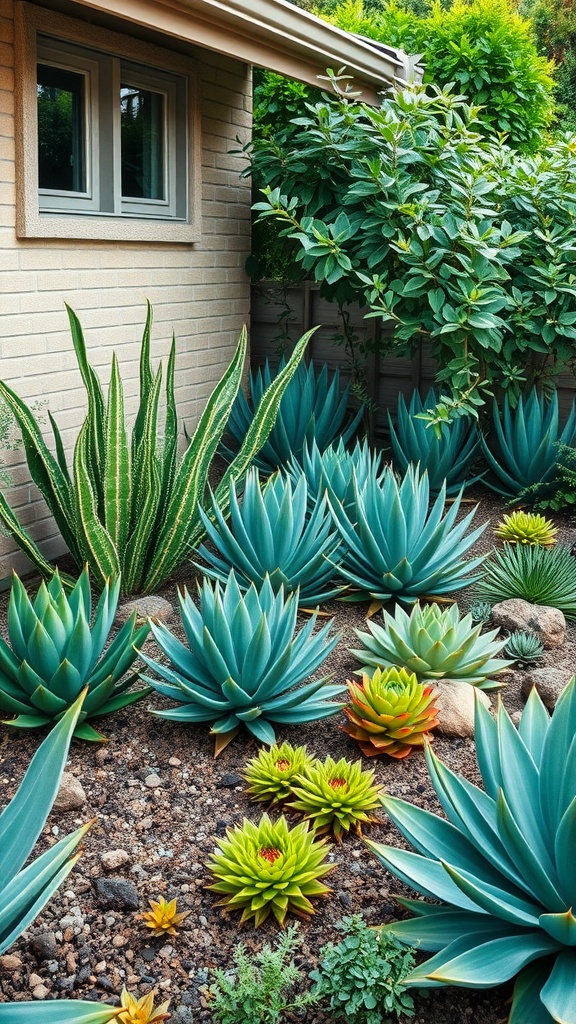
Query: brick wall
(201,291)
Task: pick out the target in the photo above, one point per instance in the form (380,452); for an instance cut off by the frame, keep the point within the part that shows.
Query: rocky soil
(159,801)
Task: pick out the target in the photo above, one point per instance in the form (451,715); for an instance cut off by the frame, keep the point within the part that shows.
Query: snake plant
(434,643)
(130,506)
(335,469)
(245,663)
(397,546)
(271,533)
(313,408)
(54,652)
(502,865)
(447,455)
(539,575)
(523,448)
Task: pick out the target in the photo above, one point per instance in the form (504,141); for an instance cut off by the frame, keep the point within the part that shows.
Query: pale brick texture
(201,291)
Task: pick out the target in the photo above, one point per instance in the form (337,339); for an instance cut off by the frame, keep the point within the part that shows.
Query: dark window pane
(142,120)
(61,119)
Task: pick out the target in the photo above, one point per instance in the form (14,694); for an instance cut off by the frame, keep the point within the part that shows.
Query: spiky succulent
(312,407)
(524,646)
(269,868)
(245,663)
(54,652)
(396,546)
(141,1011)
(446,456)
(163,917)
(523,447)
(535,574)
(526,528)
(335,469)
(390,712)
(481,611)
(434,643)
(270,775)
(270,532)
(336,796)
(502,865)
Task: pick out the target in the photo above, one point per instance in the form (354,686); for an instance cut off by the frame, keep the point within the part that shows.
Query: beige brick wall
(201,291)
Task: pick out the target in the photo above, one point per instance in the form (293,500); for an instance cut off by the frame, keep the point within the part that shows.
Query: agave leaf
(56,1011)
(543,884)
(26,721)
(534,725)
(501,903)
(559,993)
(564,847)
(66,683)
(426,876)
(465,963)
(527,1007)
(122,700)
(561,732)
(438,927)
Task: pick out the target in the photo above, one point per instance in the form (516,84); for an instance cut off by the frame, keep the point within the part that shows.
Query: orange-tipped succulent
(141,1011)
(163,918)
(390,712)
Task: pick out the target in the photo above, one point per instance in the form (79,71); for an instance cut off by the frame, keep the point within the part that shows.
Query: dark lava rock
(117,893)
(229,779)
(44,946)
(148,954)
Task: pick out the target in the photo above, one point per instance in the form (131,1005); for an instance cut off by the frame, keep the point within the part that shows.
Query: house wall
(200,292)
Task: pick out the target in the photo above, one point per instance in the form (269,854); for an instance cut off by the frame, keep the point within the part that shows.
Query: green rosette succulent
(336,796)
(501,863)
(481,611)
(524,646)
(434,644)
(269,868)
(270,775)
(54,652)
(526,528)
(390,712)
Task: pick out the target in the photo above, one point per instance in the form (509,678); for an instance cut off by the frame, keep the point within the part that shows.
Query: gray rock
(70,794)
(117,893)
(229,779)
(152,781)
(455,705)
(152,607)
(549,683)
(548,623)
(114,859)
(44,946)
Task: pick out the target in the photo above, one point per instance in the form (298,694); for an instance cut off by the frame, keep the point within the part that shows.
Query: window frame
(50,38)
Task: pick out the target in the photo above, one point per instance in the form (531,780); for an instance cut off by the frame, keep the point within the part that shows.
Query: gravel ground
(158,796)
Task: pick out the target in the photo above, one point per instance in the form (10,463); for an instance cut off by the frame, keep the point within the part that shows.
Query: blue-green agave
(447,456)
(54,652)
(335,469)
(313,408)
(396,546)
(271,533)
(25,890)
(523,447)
(502,865)
(245,663)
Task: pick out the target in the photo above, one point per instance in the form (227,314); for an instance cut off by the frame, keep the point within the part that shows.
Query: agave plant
(54,652)
(446,456)
(269,868)
(313,409)
(270,775)
(524,646)
(244,664)
(526,528)
(131,507)
(335,469)
(523,448)
(390,712)
(396,546)
(502,865)
(480,611)
(434,644)
(535,574)
(271,534)
(336,796)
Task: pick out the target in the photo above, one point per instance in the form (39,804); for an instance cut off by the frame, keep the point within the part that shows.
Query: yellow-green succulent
(526,528)
(336,796)
(270,775)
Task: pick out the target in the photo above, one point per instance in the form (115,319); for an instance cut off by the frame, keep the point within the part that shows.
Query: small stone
(515,718)
(70,794)
(117,893)
(548,623)
(34,980)
(40,992)
(549,683)
(155,608)
(119,940)
(102,755)
(456,707)
(175,762)
(152,781)
(44,946)
(229,779)
(345,899)
(114,859)
(10,962)
(148,954)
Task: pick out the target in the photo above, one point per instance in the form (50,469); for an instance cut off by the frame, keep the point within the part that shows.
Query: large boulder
(455,705)
(548,623)
(549,683)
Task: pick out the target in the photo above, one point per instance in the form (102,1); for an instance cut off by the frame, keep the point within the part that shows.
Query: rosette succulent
(245,664)
(481,611)
(526,528)
(524,646)
(397,546)
(434,644)
(502,865)
(336,796)
(390,712)
(269,868)
(54,652)
(335,469)
(271,774)
(270,533)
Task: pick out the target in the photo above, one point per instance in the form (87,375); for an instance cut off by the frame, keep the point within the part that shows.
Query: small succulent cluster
(390,712)
(163,917)
(480,611)
(524,646)
(140,1011)
(526,528)
(270,775)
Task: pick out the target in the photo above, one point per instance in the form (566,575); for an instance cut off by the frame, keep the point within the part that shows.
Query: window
(109,140)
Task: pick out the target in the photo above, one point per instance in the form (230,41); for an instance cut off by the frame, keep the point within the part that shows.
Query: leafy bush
(539,575)
(560,494)
(131,508)
(502,865)
(361,977)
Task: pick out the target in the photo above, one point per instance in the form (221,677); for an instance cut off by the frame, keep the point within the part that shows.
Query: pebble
(44,946)
(10,962)
(229,779)
(34,980)
(175,762)
(117,893)
(157,608)
(114,859)
(345,899)
(152,781)
(40,992)
(70,794)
